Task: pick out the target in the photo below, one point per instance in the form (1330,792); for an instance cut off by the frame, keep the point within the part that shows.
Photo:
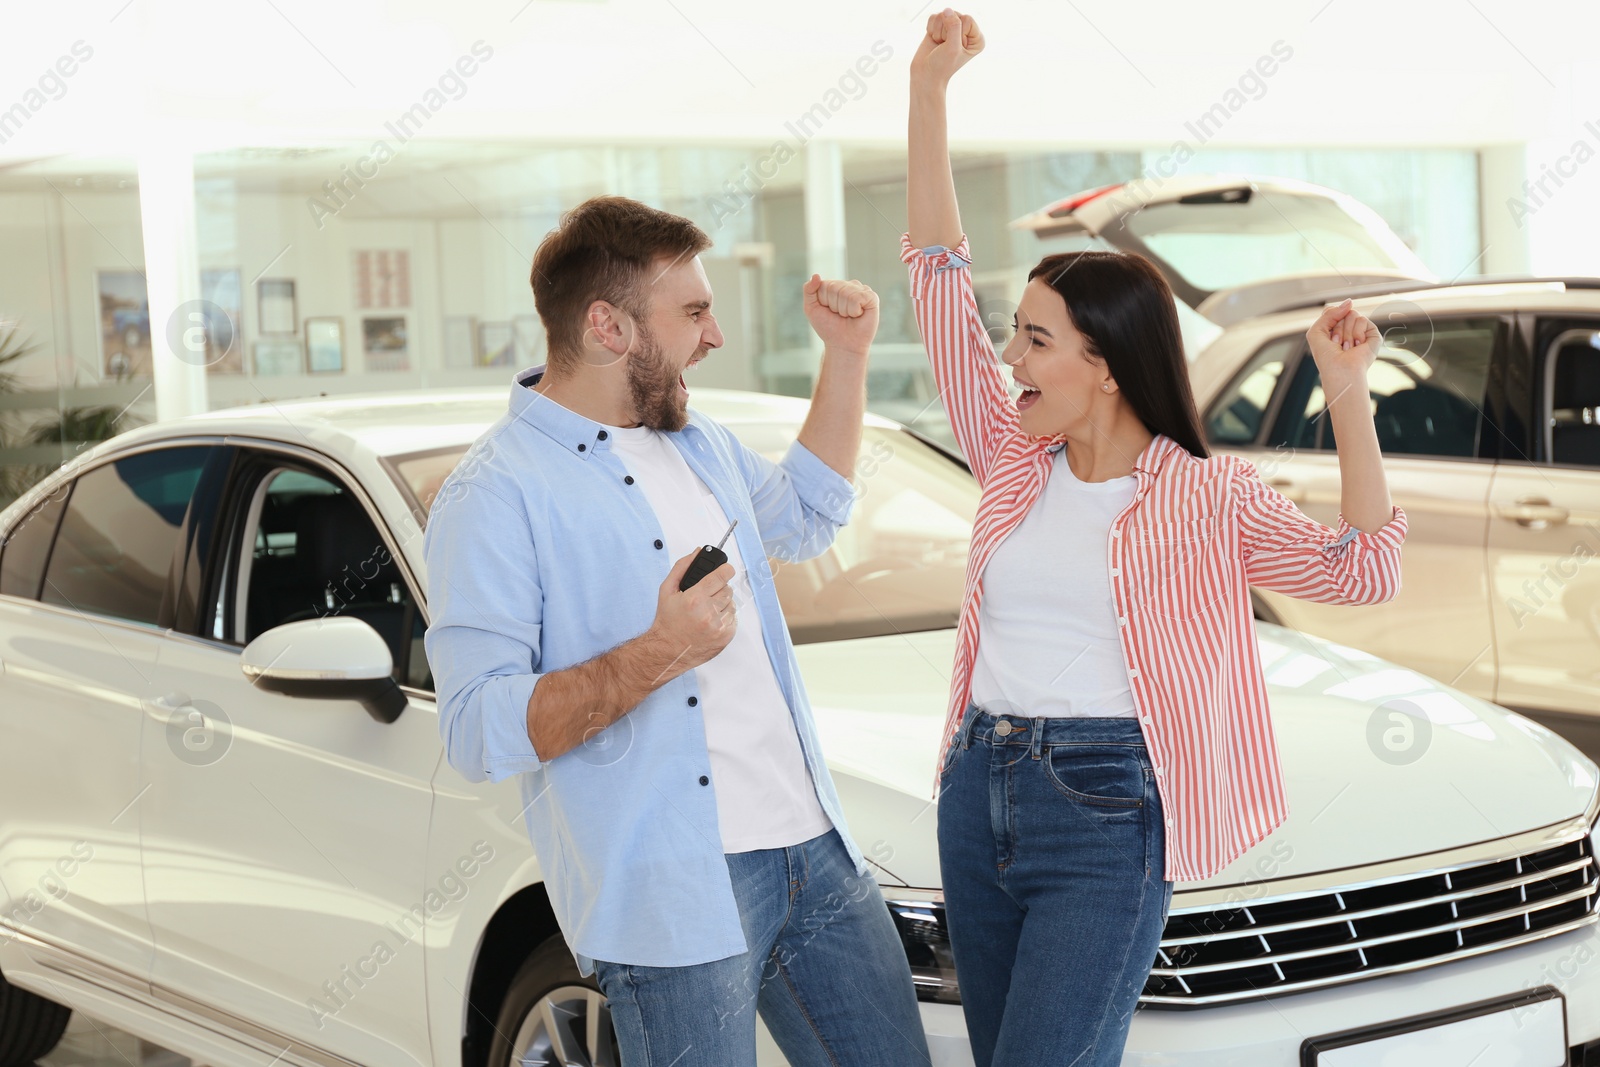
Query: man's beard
(654,385)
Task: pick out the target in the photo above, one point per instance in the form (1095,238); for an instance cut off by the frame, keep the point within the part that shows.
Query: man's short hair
(603,249)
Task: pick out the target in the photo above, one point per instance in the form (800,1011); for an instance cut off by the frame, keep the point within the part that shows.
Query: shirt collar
(578,434)
(1156,454)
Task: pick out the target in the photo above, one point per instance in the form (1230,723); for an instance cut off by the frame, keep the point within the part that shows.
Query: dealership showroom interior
(726,468)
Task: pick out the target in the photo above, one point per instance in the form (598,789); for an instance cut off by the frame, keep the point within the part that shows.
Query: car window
(114,552)
(897,566)
(1426,389)
(27,544)
(1236,416)
(1572,372)
(309,550)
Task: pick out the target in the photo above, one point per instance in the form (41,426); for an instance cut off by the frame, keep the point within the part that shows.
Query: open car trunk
(1233,247)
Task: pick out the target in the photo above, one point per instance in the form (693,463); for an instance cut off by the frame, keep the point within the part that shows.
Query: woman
(1108,731)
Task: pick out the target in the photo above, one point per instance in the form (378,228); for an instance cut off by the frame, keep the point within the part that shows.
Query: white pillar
(825,244)
(1501,172)
(172,275)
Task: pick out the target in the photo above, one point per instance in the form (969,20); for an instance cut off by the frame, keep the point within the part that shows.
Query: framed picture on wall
(275,311)
(277,356)
(325,345)
(224,326)
(460,341)
(383,343)
(530,340)
(496,344)
(124,323)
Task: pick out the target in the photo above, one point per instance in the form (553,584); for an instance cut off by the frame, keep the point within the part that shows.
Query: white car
(250,849)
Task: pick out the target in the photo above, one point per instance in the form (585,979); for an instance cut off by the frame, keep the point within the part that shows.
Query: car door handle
(1533,512)
(170,702)
(1288,488)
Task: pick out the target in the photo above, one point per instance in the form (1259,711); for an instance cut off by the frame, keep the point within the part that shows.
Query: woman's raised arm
(965,367)
(931,209)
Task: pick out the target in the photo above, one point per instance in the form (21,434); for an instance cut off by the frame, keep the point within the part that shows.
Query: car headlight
(927,943)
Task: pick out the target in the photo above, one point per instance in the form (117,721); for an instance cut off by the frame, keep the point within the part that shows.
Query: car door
(84,594)
(1545,529)
(284,852)
(1427,391)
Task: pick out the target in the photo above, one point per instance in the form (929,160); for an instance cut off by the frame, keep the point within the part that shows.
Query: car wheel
(30,1026)
(552,1016)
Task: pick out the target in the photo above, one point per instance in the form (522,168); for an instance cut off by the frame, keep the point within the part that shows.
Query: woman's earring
(1106,387)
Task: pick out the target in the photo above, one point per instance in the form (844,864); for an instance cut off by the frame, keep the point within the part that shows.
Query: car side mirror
(334,658)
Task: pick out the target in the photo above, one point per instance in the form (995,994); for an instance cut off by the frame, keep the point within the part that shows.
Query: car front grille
(1212,954)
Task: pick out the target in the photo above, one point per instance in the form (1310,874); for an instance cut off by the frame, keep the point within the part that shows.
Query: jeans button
(1002,728)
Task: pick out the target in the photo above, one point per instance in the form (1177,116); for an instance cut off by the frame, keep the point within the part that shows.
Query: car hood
(1483,772)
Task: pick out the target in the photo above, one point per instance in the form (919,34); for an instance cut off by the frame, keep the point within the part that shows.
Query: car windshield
(898,566)
(1222,245)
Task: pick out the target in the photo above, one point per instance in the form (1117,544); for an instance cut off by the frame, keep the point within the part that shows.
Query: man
(688,829)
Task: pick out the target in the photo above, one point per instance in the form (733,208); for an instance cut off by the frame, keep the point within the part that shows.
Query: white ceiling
(1057,73)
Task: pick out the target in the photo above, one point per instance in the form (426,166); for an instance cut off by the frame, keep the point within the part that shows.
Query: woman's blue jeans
(1051,841)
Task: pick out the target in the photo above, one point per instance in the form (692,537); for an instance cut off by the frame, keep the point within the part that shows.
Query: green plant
(67,426)
(13,347)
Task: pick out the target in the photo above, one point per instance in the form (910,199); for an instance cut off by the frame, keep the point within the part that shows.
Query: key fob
(710,558)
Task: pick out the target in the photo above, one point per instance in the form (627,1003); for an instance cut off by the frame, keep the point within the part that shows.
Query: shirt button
(1133,672)
(1116,572)
(628,479)
(1160,771)
(1116,533)
(1121,621)
(658,542)
(693,701)
(602,435)
(582,447)
(704,780)
(1145,718)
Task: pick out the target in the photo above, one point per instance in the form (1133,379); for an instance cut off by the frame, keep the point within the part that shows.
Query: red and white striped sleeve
(966,367)
(1286,550)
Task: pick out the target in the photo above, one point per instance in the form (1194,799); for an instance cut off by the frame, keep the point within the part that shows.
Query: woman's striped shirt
(1181,559)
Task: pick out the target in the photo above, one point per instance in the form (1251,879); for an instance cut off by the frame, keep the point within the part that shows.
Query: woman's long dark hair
(1123,307)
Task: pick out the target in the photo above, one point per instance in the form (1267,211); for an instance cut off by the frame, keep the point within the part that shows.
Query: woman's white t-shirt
(765,797)
(1047,626)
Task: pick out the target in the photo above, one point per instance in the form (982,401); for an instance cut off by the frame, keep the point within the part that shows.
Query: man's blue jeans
(1051,840)
(825,968)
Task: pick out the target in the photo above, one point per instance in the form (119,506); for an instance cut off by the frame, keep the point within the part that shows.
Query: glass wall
(403,265)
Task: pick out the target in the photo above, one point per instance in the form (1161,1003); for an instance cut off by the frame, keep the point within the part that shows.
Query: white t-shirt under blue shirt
(765,797)
(1047,625)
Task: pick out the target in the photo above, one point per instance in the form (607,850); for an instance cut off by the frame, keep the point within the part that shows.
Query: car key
(710,558)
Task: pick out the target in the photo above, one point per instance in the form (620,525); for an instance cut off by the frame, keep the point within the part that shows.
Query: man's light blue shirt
(541,555)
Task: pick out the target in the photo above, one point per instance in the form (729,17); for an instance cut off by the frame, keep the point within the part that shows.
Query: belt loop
(969,724)
(1036,743)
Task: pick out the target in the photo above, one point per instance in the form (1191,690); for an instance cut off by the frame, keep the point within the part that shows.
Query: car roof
(1500,293)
